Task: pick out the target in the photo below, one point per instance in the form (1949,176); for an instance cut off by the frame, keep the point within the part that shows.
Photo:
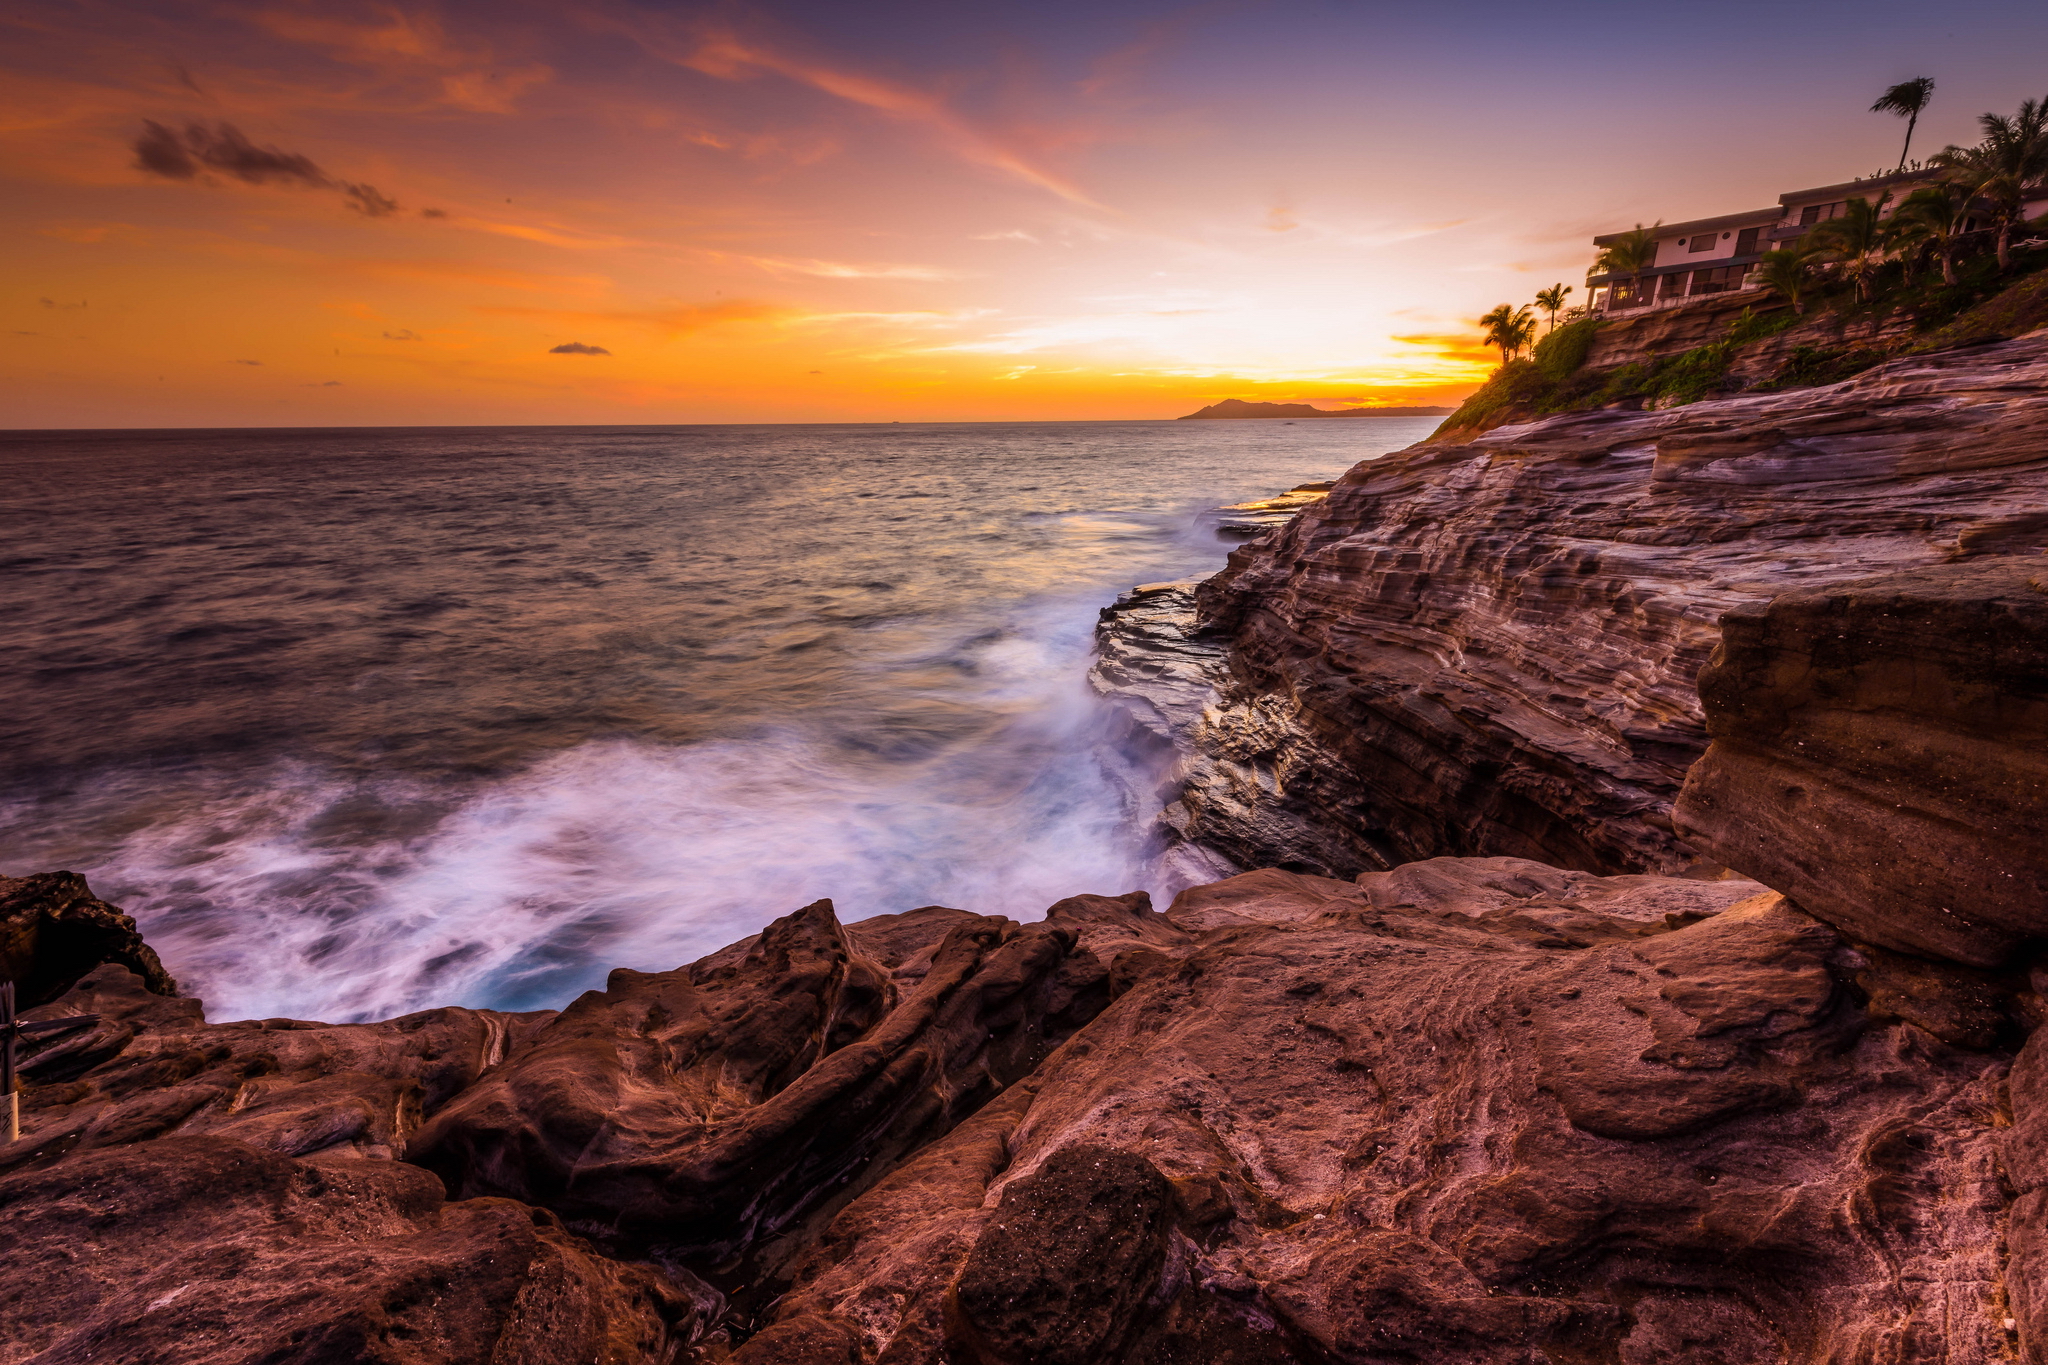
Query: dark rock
(1063,1273)
(53,931)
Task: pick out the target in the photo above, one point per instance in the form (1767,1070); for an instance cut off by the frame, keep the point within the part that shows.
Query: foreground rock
(1465,1110)
(1490,648)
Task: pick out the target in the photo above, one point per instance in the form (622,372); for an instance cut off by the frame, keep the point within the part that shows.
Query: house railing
(1749,284)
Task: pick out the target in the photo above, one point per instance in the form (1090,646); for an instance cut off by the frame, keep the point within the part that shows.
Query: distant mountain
(1237,407)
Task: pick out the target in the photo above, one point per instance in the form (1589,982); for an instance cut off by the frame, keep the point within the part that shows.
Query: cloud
(185,156)
(471,77)
(366,200)
(723,54)
(52,303)
(402,334)
(330,384)
(577,348)
(191,153)
(433,213)
(248,362)
(1013,235)
(1453,346)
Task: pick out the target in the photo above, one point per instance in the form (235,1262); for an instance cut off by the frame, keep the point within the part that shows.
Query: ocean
(357,722)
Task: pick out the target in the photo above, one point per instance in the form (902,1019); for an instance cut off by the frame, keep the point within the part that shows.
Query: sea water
(357,722)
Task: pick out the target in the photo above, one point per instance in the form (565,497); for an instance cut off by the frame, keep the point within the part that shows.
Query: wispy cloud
(472,75)
(721,52)
(841,270)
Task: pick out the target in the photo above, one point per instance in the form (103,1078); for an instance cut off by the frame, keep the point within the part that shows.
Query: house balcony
(1671,287)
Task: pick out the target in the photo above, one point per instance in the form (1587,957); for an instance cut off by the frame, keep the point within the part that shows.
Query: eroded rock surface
(703,1111)
(1880,752)
(1472,1110)
(1489,649)
(1489,1111)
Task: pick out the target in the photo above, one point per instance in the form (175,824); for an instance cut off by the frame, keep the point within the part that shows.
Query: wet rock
(707,1110)
(1489,649)
(1880,754)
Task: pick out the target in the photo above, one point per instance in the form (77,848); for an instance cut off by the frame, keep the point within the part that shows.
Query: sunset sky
(284,214)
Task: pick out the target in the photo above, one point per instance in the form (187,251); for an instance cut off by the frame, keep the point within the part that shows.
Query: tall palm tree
(2012,158)
(1551,300)
(1788,272)
(1858,241)
(1509,328)
(1630,253)
(1932,218)
(1906,99)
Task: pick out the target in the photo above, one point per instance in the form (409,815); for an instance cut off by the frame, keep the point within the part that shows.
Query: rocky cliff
(1490,648)
(1481,1110)
(1466,1110)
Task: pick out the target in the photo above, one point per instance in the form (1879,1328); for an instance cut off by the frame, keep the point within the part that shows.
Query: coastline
(1498,1050)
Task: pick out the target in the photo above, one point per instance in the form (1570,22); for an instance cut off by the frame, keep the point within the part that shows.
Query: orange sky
(390,213)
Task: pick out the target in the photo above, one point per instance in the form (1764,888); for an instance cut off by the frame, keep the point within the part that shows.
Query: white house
(1719,255)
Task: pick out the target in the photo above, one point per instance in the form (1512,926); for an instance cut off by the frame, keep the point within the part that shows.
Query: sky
(271,213)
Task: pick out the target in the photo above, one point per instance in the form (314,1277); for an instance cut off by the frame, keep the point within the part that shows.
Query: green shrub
(1809,366)
(1560,354)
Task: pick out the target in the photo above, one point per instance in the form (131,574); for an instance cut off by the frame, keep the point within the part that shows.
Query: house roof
(1726,220)
(1829,193)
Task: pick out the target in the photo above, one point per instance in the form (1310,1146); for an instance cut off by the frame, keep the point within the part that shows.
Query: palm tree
(1630,253)
(2012,157)
(1788,271)
(1906,99)
(1509,328)
(1858,241)
(1932,217)
(1551,300)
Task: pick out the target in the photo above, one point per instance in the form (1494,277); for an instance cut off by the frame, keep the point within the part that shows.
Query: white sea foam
(625,853)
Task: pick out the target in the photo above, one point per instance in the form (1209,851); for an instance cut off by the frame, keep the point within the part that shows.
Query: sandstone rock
(1880,754)
(1416,1133)
(707,1110)
(1461,1111)
(53,931)
(1489,649)
(209,1249)
(186,1192)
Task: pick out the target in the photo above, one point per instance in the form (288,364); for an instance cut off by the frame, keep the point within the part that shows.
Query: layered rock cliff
(1490,648)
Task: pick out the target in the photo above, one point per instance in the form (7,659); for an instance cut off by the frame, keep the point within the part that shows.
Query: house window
(1674,285)
(1745,241)
(1818,213)
(1721,280)
(1703,242)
